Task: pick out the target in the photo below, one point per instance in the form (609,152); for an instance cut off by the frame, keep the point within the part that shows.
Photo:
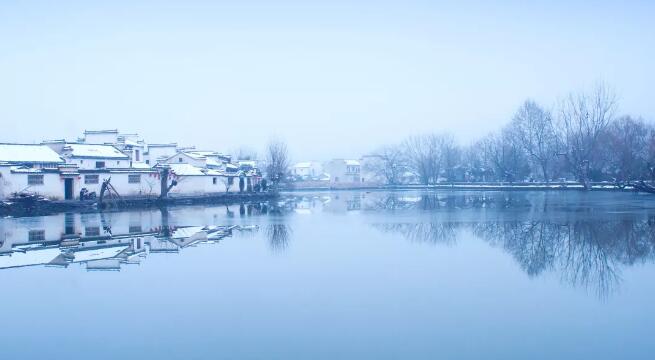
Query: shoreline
(469,186)
(49,207)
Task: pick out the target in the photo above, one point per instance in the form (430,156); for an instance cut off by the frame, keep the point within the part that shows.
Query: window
(230,181)
(100,164)
(180,160)
(92,231)
(118,162)
(214,181)
(137,155)
(135,229)
(91,179)
(34,179)
(36,235)
(134,179)
(148,162)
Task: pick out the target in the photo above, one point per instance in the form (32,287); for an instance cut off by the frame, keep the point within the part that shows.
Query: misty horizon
(320,76)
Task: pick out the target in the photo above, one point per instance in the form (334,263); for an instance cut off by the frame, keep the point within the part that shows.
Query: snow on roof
(113,131)
(95,151)
(28,153)
(186,170)
(204,153)
(163,145)
(213,162)
(352,162)
(252,163)
(303,164)
(133,143)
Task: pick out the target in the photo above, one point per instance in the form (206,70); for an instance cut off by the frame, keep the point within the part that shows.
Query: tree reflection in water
(587,247)
(278,236)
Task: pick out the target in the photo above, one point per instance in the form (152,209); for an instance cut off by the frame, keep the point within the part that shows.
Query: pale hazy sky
(333,78)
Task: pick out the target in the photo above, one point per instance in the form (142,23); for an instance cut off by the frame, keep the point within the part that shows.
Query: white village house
(344,172)
(307,170)
(59,170)
(29,167)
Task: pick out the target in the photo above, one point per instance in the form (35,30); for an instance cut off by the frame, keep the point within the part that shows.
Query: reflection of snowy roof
(34,257)
(24,153)
(95,151)
(185,232)
(99,253)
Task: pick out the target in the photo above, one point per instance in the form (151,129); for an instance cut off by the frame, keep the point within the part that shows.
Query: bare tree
(424,156)
(389,164)
(583,119)
(277,161)
(450,154)
(627,149)
(537,135)
(506,155)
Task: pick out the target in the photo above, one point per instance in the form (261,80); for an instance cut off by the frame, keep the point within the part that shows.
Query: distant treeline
(582,139)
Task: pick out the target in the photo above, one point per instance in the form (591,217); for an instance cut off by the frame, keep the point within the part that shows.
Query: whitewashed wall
(52,187)
(149,184)
(91,163)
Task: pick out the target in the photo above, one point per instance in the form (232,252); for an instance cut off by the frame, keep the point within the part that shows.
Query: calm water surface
(400,275)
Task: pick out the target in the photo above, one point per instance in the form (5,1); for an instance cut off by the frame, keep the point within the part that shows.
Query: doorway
(68,189)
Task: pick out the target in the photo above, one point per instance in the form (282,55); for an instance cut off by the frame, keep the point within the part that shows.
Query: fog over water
(321,75)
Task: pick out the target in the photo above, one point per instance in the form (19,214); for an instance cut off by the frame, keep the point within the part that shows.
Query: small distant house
(343,171)
(307,170)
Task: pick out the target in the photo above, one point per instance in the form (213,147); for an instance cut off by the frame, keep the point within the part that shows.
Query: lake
(331,275)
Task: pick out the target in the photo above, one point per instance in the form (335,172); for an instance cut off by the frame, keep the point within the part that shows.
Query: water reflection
(108,241)
(278,235)
(588,241)
(585,239)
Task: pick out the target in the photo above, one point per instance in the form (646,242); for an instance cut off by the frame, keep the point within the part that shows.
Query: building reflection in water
(103,241)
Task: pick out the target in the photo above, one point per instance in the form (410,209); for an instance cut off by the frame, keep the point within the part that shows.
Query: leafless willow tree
(583,119)
(277,161)
(536,134)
